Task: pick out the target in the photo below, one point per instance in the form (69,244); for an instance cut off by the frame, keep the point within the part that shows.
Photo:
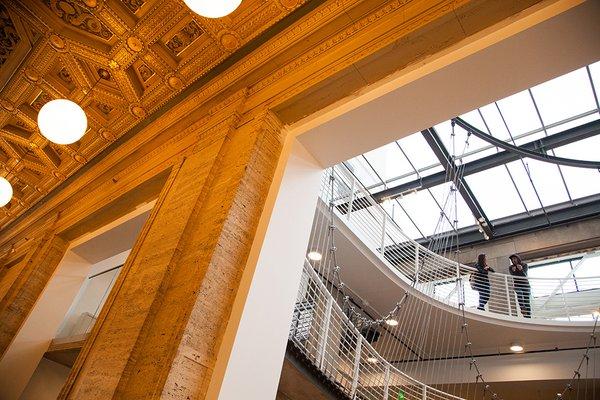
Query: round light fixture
(391,322)
(372,360)
(61,121)
(6,191)
(315,256)
(213,8)
(515,347)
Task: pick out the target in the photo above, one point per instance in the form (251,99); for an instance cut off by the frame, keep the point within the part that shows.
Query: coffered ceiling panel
(119,59)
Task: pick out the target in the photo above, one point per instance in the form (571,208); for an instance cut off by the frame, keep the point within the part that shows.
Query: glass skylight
(504,191)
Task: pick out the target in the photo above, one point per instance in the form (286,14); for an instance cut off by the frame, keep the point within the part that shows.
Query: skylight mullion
(562,177)
(587,68)
(523,163)
(505,166)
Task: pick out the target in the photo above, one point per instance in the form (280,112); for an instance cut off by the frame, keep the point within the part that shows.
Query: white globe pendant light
(6,191)
(213,8)
(61,121)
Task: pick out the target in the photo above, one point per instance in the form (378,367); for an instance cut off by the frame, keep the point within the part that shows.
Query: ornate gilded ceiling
(119,59)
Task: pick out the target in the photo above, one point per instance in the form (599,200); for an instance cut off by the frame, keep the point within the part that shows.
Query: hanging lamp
(62,121)
(6,191)
(213,8)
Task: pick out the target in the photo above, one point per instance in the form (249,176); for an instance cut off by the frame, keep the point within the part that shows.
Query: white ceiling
(549,49)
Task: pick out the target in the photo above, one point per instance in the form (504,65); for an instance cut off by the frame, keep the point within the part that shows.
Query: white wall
(441,87)
(254,365)
(34,337)
(46,382)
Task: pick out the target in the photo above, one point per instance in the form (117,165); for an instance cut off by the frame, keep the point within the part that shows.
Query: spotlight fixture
(6,191)
(62,122)
(516,348)
(315,256)
(372,360)
(391,322)
(213,8)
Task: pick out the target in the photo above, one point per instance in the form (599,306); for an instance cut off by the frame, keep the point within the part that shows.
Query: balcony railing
(323,333)
(446,280)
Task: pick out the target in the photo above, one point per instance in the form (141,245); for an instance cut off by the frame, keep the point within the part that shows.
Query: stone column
(161,329)
(33,274)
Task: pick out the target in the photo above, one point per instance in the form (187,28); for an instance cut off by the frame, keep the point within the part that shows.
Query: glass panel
(422,209)
(595,72)
(446,200)
(555,270)
(572,124)
(404,222)
(547,181)
(362,171)
(523,184)
(388,161)
(565,96)
(493,119)
(495,192)
(519,112)
(418,151)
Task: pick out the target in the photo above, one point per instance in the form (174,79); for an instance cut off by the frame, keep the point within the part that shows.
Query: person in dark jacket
(482,281)
(518,269)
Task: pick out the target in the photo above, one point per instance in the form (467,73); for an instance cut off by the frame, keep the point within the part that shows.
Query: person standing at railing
(481,281)
(518,269)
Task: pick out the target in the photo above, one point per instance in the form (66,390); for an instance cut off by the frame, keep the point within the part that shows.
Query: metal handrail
(437,276)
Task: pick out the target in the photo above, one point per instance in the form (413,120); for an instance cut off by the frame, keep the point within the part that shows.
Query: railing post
(416,264)
(356,370)
(324,332)
(424,392)
(351,202)
(507,295)
(562,289)
(383,235)
(386,384)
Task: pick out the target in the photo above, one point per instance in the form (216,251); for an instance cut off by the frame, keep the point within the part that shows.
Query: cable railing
(324,334)
(448,281)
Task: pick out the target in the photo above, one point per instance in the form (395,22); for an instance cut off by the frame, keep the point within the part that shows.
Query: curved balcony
(327,339)
(448,281)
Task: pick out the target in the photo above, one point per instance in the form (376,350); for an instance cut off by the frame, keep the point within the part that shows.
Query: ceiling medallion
(107,135)
(79,158)
(174,82)
(59,175)
(103,74)
(137,111)
(229,41)
(57,42)
(134,43)
(7,105)
(31,74)
(289,4)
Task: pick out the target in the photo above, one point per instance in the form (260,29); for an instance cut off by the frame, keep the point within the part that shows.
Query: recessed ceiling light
(515,347)
(372,360)
(213,8)
(391,322)
(315,256)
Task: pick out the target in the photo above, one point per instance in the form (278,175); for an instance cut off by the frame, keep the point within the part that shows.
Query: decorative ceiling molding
(120,60)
